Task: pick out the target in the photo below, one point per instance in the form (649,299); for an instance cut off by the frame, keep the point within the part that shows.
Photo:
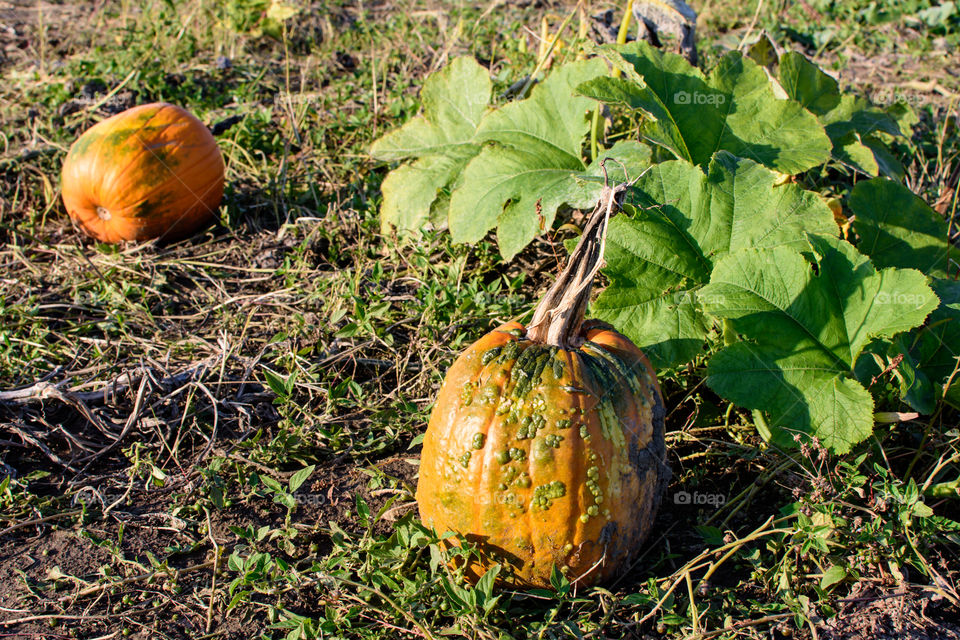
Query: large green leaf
(410,192)
(661,252)
(899,229)
(851,122)
(924,360)
(806,83)
(804,326)
(732,109)
(454,102)
(935,348)
(533,163)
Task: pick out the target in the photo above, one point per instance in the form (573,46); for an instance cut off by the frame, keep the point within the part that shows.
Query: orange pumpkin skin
(151,172)
(545,456)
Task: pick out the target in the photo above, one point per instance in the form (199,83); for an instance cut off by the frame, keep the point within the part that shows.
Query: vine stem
(546,54)
(595,133)
(595,122)
(559,315)
(929,428)
(704,561)
(624,29)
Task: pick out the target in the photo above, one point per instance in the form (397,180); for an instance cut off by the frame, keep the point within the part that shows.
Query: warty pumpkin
(150,172)
(546,443)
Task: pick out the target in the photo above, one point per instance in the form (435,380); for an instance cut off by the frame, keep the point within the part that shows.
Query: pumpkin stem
(559,315)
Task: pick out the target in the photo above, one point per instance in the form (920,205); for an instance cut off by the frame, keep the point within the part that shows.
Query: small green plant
(852,519)
(721,253)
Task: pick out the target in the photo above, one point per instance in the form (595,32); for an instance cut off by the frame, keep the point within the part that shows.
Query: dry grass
(157,401)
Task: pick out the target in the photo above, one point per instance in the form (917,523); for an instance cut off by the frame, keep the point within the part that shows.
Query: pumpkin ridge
(487,460)
(198,199)
(212,154)
(535,470)
(579,453)
(658,446)
(137,210)
(104,137)
(134,134)
(524,527)
(85,165)
(136,159)
(160,130)
(129,208)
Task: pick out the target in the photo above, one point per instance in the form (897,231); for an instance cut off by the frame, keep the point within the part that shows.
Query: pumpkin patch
(511,324)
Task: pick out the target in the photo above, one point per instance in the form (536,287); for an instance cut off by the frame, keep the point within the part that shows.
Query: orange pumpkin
(546,444)
(153,171)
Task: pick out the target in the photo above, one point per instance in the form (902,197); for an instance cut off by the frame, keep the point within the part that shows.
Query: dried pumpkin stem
(557,319)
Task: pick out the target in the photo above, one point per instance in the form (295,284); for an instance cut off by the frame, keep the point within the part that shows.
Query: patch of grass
(250,470)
